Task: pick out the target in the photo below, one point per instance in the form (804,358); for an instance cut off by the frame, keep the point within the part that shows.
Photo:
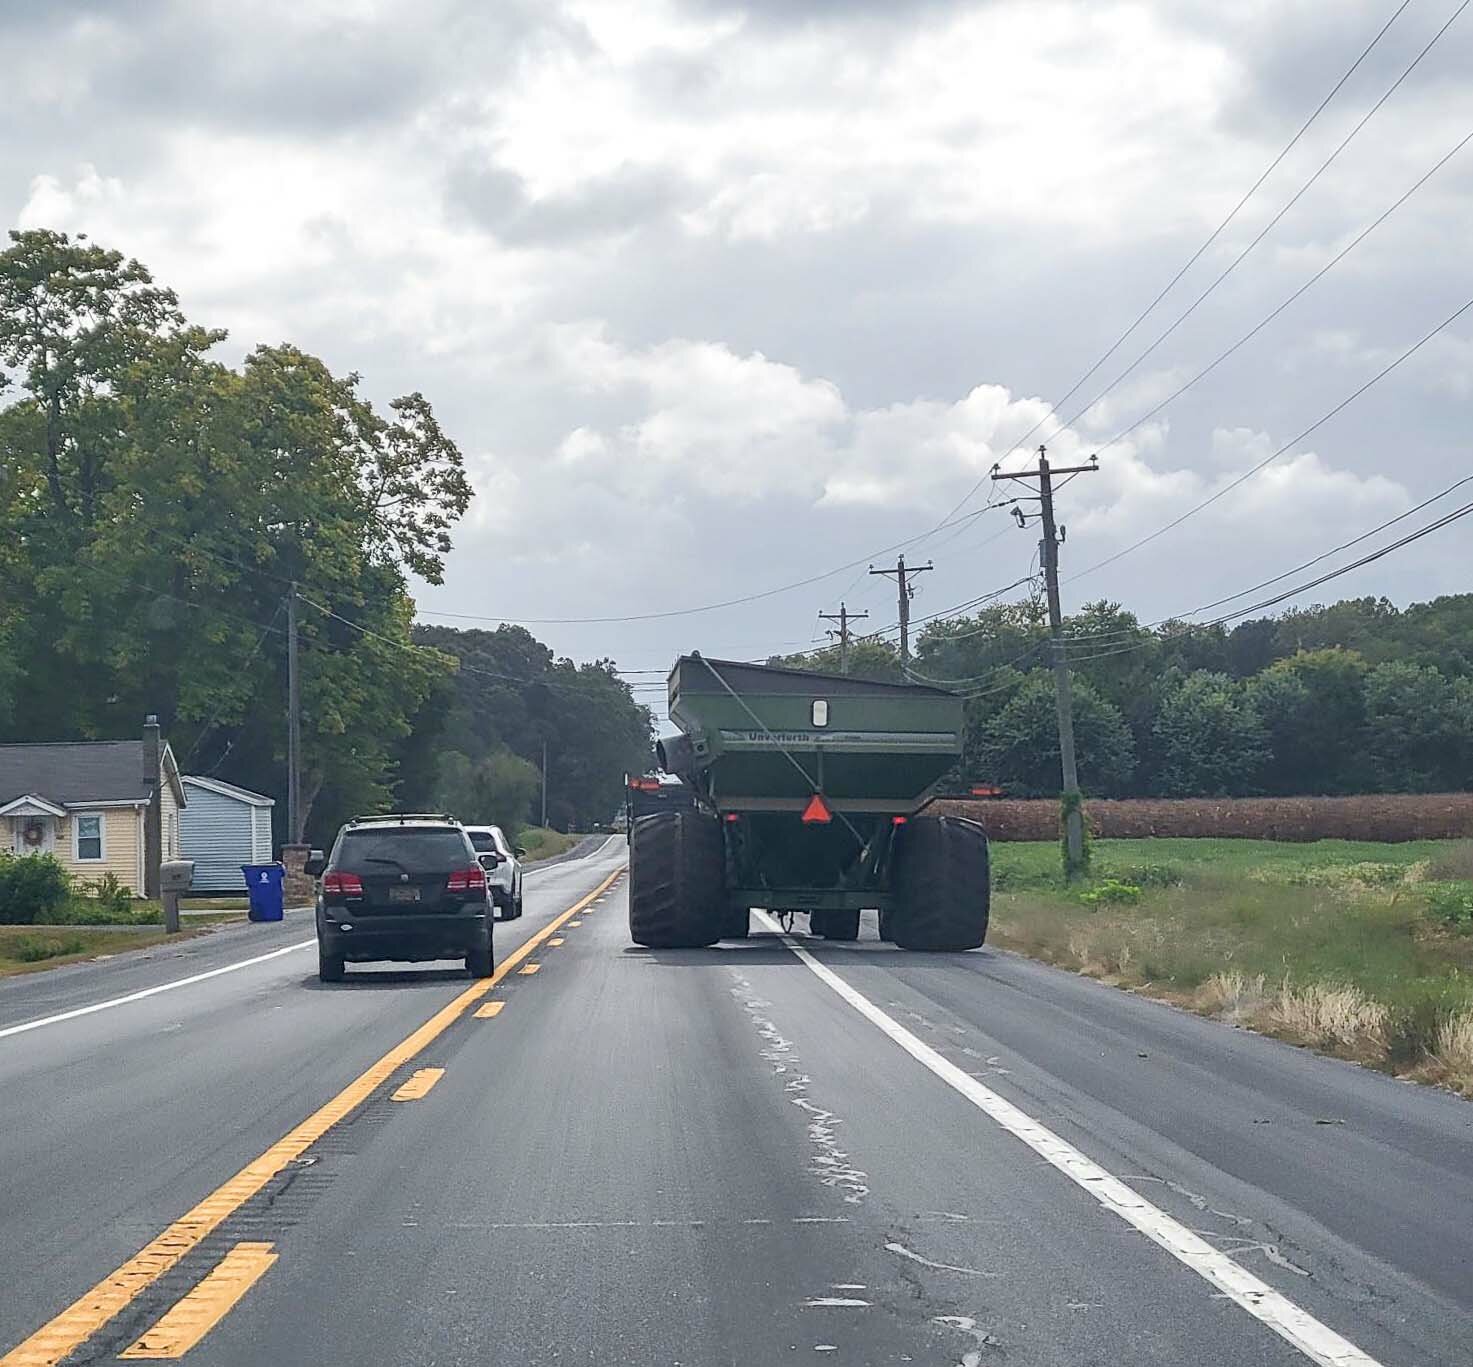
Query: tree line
(156,506)
(1357,696)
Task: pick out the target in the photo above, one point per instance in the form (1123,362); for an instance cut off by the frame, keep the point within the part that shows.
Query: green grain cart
(809,790)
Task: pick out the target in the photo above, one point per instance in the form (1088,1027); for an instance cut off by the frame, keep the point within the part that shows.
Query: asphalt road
(734,1156)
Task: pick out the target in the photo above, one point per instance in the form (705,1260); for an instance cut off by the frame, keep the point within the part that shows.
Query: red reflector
(343,884)
(732,818)
(899,820)
(467,880)
(817,813)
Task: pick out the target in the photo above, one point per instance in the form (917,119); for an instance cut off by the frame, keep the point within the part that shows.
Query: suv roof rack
(402,817)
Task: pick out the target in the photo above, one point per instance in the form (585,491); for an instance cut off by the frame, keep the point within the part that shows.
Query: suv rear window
(419,849)
(482,841)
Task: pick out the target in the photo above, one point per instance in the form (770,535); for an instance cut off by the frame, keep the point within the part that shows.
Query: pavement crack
(827,1161)
(901,1251)
(966,1324)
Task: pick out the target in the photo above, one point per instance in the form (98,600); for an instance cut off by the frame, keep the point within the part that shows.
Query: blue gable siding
(220,833)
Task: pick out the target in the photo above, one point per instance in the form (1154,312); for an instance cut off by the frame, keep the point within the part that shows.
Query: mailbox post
(175,876)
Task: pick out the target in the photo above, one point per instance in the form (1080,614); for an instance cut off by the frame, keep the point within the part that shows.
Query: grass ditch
(24,949)
(542,842)
(1361,950)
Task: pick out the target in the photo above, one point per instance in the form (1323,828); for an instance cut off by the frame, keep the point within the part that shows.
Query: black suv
(402,886)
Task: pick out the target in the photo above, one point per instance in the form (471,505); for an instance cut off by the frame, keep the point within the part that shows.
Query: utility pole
(843,617)
(1053,536)
(903,574)
(293,725)
(544,782)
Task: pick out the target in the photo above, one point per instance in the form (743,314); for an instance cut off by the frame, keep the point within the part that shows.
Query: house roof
(72,772)
(215,785)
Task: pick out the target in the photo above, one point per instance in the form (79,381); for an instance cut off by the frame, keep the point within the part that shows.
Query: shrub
(31,887)
(111,895)
(89,911)
(1111,892)
(32,949)
(1450,903)
(1145,875)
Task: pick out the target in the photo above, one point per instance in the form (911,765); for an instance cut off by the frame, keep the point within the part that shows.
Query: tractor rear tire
(738,924)
(677,866)
(942,879)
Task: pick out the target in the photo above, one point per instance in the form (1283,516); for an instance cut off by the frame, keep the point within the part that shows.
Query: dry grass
(1331,1016)
(1452,1054)
(1454,863)
(1331,946)
(1238,997)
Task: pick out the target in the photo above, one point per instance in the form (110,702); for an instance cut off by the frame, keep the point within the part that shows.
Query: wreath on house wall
(33,833)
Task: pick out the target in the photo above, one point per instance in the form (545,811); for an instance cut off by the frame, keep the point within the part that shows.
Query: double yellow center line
(86,1315)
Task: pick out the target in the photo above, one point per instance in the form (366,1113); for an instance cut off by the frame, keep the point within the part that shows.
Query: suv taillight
(467,880)
(343,884)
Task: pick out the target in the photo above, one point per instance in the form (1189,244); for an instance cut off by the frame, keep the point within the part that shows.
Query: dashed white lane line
(1315,1340)
(152,991)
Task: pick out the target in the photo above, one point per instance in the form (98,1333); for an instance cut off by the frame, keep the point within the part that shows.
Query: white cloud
(719,295)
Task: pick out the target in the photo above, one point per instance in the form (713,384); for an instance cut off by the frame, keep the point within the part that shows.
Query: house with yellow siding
(103,806)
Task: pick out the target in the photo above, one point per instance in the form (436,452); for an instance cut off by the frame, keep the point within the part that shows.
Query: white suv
(503,864)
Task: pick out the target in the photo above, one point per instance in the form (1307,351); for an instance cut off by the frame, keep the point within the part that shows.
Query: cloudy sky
(720,295)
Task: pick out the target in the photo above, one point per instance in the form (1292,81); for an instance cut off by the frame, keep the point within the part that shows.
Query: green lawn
(1365,950)
(542,842)
(25,949)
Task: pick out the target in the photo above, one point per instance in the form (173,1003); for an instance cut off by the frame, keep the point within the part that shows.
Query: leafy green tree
(1016,742)
(971,648)
(511,691)
(496,789)
(1419,730)
(868,659)
(1312,706)
(165,502)
(1252,646)
(1208,739)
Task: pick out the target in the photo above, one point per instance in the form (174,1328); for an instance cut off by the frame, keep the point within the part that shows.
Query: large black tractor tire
(677,863)
(835,925)
(943,884)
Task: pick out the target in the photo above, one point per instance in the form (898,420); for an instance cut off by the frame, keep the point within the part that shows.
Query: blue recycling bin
(264,887)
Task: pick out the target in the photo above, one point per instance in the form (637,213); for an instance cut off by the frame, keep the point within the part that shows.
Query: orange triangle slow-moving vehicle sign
(817,813)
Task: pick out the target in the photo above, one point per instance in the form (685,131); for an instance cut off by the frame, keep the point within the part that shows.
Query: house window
(89,838)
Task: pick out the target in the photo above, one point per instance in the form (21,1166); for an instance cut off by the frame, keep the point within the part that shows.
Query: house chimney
(151,750)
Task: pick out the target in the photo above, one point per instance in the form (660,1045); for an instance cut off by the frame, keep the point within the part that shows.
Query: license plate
(403,894)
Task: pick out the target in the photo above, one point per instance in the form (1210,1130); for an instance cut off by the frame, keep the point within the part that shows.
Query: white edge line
(150,991)
(1315,1340)
(24,1026)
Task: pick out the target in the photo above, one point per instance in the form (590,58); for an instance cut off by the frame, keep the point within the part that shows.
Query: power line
(1293,441)
(704,607)
(1437,525)
(1314,279)
(1274,221)
(214,720)
(462,666)
(1117,635)
(1053,408)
